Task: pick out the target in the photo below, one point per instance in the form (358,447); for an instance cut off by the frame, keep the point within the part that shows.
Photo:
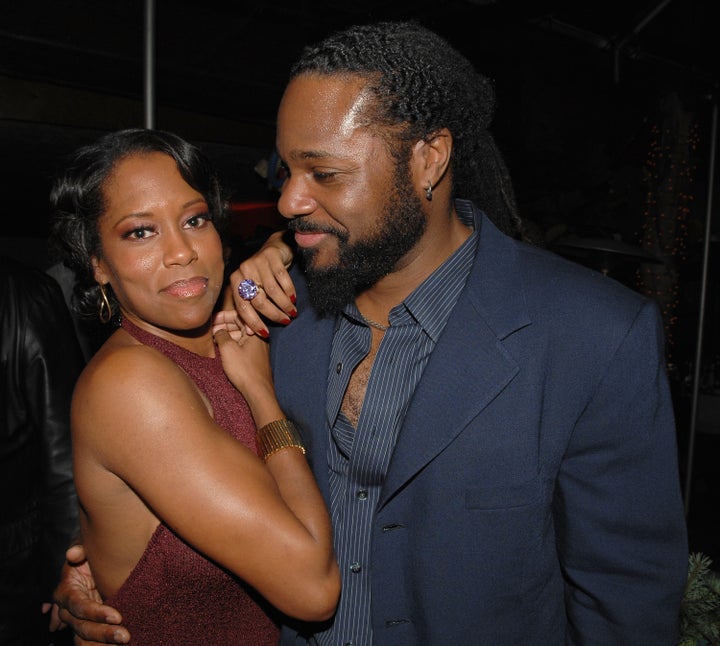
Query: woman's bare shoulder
(123,363)
(128,387)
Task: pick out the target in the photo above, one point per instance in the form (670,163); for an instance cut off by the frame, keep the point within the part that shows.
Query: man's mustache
(302,226)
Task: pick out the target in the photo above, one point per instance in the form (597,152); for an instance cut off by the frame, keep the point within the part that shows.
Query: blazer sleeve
(618,511)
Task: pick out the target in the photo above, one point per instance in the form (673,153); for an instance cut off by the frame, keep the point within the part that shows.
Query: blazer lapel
(469,365)
(301,355)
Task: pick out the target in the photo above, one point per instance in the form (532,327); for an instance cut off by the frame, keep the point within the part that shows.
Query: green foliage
(700,609)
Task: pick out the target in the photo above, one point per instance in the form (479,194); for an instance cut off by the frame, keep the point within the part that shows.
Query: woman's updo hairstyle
(77,201)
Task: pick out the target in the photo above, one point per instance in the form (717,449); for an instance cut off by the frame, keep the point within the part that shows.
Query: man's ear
(431,158)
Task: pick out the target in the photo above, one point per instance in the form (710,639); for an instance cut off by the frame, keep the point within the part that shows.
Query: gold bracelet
(278,435)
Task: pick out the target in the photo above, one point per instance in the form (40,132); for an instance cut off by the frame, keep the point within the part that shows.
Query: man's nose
(296,199)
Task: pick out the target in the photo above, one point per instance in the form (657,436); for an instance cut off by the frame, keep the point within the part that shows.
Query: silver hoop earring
(105,311)
(428,192)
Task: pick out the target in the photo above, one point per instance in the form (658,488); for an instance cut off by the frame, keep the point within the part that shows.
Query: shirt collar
(432,301)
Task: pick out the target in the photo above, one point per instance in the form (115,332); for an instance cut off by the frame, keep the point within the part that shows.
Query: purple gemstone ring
(248,289)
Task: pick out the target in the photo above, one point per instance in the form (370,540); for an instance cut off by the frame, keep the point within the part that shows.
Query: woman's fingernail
(292,313)
(264,333)
(285,321)
(293,298)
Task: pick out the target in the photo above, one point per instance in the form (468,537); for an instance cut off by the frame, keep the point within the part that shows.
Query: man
(490,424)
(40,360)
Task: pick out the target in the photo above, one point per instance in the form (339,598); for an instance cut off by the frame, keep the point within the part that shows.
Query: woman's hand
(275,299)
(227,319)
(246,361)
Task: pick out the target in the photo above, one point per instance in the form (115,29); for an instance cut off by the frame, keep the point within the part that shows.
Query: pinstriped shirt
(358,458)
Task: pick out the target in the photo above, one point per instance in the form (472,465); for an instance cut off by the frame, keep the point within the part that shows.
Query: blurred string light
(668,177)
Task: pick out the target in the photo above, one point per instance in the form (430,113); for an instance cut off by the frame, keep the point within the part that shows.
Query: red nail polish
(285,321)
(292,313)
(293,298)
(264,334)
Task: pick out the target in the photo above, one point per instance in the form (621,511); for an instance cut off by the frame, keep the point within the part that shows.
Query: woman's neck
(198,340)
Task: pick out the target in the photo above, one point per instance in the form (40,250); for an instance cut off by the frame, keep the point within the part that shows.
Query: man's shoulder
(546,271)
(541,269)
(570,301)
(516,279)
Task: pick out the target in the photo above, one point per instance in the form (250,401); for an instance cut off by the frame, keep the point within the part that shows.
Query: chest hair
(355,393)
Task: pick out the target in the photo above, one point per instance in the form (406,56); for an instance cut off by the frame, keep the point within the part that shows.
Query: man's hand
(79,605)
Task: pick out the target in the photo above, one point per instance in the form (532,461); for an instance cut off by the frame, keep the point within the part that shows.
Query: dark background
(605,113)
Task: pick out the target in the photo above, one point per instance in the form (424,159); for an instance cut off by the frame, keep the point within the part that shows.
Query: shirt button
(338,367)
(355,567)
(362,494)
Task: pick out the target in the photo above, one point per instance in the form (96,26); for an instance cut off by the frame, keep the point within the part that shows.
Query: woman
(164,446)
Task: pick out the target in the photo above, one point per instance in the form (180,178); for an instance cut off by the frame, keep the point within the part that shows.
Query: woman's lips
(187,288)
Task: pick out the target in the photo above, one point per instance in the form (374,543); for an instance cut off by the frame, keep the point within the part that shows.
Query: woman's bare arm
(267,525)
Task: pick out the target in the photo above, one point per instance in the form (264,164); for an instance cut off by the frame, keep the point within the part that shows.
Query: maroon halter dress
(174,595)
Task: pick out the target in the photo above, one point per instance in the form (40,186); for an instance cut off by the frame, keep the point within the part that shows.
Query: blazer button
(355,567)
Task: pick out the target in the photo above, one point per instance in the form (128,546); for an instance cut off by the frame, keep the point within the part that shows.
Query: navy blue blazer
(533,494)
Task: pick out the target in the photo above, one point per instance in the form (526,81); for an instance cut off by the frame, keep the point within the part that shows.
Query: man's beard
(361,264)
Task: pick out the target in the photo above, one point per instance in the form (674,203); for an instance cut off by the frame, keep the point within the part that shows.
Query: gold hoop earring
(105,312)
(428,192)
